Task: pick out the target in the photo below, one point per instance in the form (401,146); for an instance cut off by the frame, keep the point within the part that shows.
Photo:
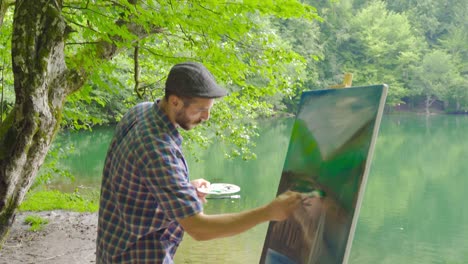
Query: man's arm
(206,227)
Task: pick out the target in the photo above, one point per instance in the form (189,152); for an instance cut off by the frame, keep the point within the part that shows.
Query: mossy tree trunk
(42,82)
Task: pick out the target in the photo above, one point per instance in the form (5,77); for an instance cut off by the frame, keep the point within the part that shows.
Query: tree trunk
(428,104)
(42,82)
(39,79)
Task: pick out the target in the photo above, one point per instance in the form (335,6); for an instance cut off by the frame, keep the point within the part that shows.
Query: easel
(347,82)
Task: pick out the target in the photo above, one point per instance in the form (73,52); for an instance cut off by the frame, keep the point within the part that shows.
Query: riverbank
(69,237)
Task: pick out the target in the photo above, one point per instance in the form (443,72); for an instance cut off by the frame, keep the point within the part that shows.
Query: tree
(442,24)
(455,43)
(435,77)
(334,34)
(381,48)
(58,45)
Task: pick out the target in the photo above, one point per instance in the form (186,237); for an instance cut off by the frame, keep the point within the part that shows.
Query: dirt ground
(69,237)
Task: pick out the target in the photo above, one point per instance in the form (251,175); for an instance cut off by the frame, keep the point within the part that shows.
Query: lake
(414,208)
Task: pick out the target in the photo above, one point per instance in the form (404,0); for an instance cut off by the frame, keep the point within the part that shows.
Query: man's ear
(175,101)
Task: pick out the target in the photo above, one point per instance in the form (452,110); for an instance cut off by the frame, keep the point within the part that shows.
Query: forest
(67,64)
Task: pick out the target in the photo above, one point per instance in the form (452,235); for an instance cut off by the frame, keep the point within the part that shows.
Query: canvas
(328,159)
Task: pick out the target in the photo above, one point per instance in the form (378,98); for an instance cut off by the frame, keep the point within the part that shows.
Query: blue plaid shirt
(145,188)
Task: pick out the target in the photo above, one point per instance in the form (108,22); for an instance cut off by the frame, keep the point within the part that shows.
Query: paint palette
(220,188)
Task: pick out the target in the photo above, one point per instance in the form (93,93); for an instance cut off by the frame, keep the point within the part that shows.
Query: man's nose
(205,116)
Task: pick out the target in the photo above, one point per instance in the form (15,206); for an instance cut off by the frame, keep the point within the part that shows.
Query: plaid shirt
(145,188)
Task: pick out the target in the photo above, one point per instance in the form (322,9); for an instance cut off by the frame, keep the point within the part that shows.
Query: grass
(47,200)
(37,223)
(55,200)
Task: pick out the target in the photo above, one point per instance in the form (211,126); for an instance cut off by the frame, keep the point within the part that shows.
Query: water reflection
(84,159)
(413,209)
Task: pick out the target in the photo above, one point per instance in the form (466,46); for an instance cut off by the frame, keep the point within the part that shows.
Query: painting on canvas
(328,160)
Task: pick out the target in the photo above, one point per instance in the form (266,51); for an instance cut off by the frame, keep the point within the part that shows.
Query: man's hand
(284,205)
(198,183)
(206,227)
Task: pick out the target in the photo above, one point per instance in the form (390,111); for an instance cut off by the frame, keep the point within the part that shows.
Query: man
(147,200)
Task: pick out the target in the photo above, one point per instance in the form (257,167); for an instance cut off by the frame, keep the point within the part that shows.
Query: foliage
(7,96)
(455,43)
(382,41)
(383,46)
(303,37)
(51,169)
(36,222)
(103,100)
(271,52)
(250,59)
(436,75)
(55,200)
(269,55)
(443,26)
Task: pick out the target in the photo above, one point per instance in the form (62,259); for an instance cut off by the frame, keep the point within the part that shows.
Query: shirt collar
(164,119)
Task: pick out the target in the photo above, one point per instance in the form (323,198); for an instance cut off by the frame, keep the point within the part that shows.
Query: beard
(184,121)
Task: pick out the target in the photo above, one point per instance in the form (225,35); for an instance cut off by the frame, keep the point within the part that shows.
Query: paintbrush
(314,194)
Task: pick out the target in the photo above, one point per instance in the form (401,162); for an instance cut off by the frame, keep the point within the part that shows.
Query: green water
(414,209)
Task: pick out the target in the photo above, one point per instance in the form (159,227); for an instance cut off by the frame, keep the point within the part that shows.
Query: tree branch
(3,87)
(136,71)
(165,56)
(207,9)
(187,36)
(82,43)
(89,9)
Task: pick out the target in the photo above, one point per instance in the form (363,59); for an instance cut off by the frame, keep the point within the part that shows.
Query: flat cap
(193,79)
